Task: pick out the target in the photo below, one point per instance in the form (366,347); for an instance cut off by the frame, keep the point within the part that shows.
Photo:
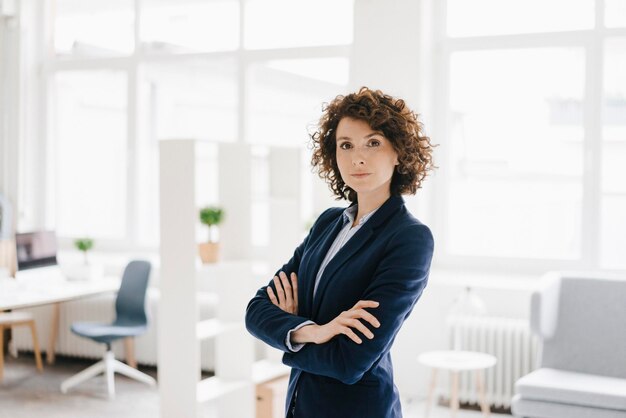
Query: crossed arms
(336,349)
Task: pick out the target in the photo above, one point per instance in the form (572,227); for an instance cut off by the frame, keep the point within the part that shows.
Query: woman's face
(366,159)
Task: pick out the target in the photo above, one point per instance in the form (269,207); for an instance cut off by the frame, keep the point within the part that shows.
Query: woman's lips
(360,176)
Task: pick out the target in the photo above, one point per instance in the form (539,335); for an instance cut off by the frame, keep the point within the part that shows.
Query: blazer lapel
(317,257)
(350,248)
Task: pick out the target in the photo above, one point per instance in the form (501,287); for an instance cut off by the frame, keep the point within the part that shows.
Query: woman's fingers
(280,292)
(366,304)
(355,323)
(272,296)
(294,287)
(288,292)
(350,334)
(362,313)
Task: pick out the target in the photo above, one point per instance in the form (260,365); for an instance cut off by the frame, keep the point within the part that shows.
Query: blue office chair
(130,321)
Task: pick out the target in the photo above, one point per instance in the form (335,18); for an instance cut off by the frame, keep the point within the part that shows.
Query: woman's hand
(342,324)
(287,299)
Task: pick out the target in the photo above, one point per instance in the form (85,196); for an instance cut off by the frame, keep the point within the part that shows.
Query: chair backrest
(130,303)
(583,325)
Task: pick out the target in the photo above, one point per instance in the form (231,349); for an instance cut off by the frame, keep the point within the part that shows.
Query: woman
(337,305)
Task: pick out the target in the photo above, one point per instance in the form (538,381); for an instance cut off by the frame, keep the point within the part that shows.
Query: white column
(235,191)
(396,55)
(9,102)
(178,350)
(386,56)
(234,351)
(286,225)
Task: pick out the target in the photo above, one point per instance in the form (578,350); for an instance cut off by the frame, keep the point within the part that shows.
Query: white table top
(457,360)
(15,294)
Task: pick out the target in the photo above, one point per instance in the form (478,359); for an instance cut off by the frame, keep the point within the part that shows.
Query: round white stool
(457,361)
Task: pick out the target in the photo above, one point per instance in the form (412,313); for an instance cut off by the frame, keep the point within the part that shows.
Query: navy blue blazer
(388,261)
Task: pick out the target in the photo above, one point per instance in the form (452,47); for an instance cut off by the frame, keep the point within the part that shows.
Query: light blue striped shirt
(342,238)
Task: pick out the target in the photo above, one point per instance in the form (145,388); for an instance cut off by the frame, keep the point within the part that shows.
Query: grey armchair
(581,320)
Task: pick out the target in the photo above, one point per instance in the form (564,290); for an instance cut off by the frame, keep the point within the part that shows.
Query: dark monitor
(36,249)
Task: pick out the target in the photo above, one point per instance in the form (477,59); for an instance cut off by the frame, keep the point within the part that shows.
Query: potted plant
(210,216)
(86,270)
(84,245)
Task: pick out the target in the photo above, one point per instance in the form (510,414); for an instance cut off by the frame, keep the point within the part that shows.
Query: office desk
(17,294)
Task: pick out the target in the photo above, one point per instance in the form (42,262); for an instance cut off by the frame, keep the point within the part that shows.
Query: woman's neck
(366,204)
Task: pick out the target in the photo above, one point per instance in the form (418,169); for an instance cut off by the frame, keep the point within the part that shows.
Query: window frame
(131,65)
(591,41)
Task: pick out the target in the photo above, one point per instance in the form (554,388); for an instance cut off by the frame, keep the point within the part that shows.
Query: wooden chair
(11,319)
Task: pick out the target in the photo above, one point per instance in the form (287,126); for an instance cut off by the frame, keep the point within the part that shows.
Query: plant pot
(209,252)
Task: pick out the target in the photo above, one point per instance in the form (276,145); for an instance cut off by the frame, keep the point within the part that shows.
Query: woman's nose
(357,158)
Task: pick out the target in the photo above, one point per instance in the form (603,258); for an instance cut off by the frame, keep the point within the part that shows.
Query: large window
(533,128)
(88,154)
(122,75)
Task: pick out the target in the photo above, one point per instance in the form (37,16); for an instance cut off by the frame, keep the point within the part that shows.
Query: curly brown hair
(383,113)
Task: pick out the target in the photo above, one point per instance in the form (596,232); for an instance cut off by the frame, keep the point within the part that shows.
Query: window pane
(193,99)
(88,28)
(285,97)
(89,160)
(615,13)
(613,228)
(207,185)
(189,25)
(288,23)
(500,17)
(510,120)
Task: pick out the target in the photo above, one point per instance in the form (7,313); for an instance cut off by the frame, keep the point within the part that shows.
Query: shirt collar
(350,212)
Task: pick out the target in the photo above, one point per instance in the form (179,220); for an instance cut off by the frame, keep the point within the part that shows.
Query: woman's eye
(375,143)
(344,145)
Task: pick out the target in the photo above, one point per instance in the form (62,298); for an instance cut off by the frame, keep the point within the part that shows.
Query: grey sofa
(581,320)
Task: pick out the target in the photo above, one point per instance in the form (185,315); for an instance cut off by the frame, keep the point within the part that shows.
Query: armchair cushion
(522,407)
(566,387)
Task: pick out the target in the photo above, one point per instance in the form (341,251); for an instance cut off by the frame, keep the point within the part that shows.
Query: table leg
(129,347)
(484,406)
(33,333)
(54,331)
(1,352)
(454,394)
(431,391)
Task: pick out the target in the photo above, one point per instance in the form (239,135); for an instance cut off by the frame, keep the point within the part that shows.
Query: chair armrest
(544,306)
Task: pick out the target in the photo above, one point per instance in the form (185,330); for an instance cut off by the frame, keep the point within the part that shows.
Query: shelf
(214,387)
(264,370)
(209,328)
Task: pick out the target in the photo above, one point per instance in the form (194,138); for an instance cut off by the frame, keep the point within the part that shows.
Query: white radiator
(509,340)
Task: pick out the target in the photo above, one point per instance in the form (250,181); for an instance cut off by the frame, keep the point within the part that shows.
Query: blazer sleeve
(268,322)
(398,283)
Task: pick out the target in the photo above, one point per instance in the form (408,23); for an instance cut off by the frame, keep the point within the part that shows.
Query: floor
(24,393)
